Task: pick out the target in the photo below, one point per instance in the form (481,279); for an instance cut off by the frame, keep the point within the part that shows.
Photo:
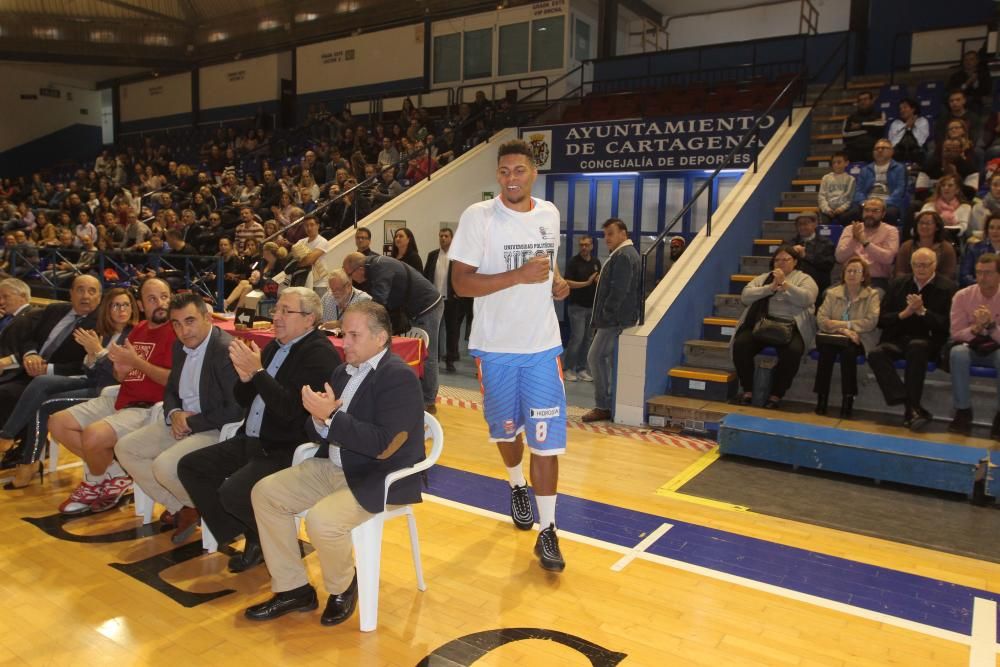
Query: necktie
(56,341)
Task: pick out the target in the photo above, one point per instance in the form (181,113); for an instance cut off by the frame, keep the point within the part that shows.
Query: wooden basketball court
(653,577)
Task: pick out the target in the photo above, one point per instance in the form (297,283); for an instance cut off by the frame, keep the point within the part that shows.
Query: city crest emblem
(540,143)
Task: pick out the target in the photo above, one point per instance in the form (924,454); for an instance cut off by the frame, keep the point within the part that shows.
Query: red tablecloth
(411,350)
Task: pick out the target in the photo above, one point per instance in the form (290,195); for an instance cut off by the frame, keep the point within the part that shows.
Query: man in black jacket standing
(815,252)
(616,306)
(915,324)
(219,478)
(369,421)
(399,286)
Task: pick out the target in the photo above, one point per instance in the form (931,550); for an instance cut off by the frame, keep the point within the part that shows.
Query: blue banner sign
(648,144)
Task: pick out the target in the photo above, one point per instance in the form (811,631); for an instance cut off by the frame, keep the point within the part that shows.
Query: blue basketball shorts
(524,393)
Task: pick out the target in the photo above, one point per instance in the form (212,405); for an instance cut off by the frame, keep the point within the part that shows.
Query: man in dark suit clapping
(42,342)
(218,478)
(369,421)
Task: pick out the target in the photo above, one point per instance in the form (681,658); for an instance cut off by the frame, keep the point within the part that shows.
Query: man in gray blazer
(197,402)
(616,306)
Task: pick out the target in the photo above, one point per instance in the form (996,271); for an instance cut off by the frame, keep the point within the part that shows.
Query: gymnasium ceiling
(127,36)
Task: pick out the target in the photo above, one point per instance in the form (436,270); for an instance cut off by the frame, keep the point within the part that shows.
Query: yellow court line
(669,490)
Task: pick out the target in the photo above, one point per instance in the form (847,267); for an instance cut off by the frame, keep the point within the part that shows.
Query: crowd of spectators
(143,203)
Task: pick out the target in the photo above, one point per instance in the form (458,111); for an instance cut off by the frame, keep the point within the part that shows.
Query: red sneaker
(80,500)
(111,493)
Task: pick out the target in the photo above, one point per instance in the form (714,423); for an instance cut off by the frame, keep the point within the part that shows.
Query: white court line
(988,644)
(642,546)
(984,633)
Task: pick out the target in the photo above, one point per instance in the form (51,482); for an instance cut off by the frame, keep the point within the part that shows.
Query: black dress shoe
(921,418)
(252,556)
(340,607)
(300,599)
(11,458)
(962,423)
(846,407)
(821,403)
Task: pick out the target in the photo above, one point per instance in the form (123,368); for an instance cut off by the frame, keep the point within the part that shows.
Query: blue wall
(683,320)
(74,143)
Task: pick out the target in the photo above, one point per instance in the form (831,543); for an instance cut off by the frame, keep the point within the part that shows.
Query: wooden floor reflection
(66,604)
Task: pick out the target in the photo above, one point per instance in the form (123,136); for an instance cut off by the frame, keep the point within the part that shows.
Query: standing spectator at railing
(909,132)
(973,79)
(863,128)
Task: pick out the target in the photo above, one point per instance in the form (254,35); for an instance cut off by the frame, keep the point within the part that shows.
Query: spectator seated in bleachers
(785,293)
(863,128)
(928,232)
(990,243)
(958,110)
(874,241)
(815,253)
(883,179)
(836,192)
(975,339)
(954,160)
(914,323)
(847,323)
(272,262)
(983,208)
(949,202)
(909,133)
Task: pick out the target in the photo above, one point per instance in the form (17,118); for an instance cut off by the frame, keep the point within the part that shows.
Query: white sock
(546,511)
(516,476)
(90,477)
(115,470)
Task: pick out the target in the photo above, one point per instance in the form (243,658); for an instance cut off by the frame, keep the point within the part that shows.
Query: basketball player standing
(504,254)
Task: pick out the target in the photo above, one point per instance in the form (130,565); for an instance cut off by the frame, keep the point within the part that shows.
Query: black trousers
(848,368)
(9,393)
(917,352)
(219,480)
(745,348)
(454,313)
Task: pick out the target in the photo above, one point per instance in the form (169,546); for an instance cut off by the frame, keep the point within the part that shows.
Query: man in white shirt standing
(504,254)
(308,250)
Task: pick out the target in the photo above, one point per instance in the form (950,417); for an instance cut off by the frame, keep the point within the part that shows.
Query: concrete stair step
(838,118)
(820,160)
(779,229)
(719,329)
(827,128)
(800,198)
(728,305)
(828,148)
(708,354)
(765,247)
(702,383)
(754,264)
(812,172)
(790,212)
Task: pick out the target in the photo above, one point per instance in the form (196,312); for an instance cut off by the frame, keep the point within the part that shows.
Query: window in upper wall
(581,45)
(547,43)
(513,49)
(447,57)
(477,56)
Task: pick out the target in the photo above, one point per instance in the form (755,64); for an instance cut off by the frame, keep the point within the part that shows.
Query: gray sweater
(795,303)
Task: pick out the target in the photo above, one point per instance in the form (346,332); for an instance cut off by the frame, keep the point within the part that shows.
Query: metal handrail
(950,63)
(753,132)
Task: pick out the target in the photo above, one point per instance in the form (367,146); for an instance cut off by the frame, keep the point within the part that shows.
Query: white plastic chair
(208,541)
(367,537)
(421,335)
